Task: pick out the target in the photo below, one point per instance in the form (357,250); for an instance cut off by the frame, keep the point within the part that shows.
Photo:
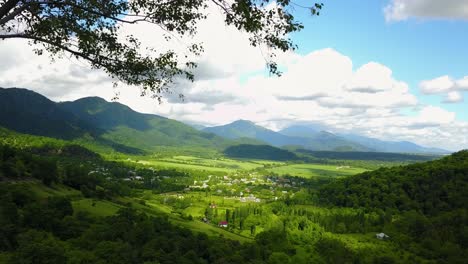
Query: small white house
(381,236)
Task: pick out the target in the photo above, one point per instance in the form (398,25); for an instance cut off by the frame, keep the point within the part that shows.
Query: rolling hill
(94,119)
(28,112)
(123,125)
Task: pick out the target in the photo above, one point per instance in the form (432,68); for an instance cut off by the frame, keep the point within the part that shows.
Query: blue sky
(415,49)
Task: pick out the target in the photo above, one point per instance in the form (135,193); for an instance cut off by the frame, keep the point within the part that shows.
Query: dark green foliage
(335,251)
(49,234)
(16,164)
(426,204)
(29,112)
(72,150)
(430,187)
(39,247)
(259,152)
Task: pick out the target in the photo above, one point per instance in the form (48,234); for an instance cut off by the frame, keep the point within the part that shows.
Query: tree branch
(12,15)
(7,7)
(65,48)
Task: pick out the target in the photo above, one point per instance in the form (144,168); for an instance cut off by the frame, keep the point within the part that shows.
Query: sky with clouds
(389,69)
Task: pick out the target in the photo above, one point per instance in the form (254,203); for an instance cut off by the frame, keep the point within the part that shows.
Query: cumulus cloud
(435,116)
(399,10)
(454,97)
(462,84)
(322,87)
(445,85)
(65,78)
(438,85)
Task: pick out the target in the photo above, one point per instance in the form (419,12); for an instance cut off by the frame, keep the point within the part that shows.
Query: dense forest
(421,207)
(48,232)
(46,229)
(426,204)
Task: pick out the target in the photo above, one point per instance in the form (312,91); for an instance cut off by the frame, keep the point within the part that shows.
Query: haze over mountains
(117,125)
(301,136)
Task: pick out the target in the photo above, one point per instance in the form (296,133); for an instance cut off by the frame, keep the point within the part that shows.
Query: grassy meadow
(316,170)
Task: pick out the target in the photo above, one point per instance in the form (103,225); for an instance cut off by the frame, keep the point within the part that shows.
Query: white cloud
(322,87)
(462,84)
(399,10)
(435,115)
(454,97)
(452,89)
(438,85)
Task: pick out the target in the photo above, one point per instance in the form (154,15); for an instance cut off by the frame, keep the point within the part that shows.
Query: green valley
(233,132)
(110,197)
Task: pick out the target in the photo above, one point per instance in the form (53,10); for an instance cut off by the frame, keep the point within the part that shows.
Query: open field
(316,170)
(218,162)
(183,166)
(201,164)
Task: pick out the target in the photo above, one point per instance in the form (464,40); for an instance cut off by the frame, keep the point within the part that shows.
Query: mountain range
(95,119)
(116,125)
(301,136)
(321,140)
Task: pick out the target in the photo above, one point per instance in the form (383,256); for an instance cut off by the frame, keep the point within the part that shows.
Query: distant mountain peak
(304,137)
(243,122)
(92,99)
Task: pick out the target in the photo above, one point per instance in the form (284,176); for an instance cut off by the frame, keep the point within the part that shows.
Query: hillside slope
(424,207)
(429,187)
(146,131)
(101,122)
(28,112)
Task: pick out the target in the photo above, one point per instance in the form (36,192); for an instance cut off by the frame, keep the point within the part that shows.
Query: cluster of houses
(132,176)
(284,182)
(250,198)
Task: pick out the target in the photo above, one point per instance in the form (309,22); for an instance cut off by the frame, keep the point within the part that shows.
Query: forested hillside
(425,202)
(95,122)
(86,209)
(144,131)
(29,112)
